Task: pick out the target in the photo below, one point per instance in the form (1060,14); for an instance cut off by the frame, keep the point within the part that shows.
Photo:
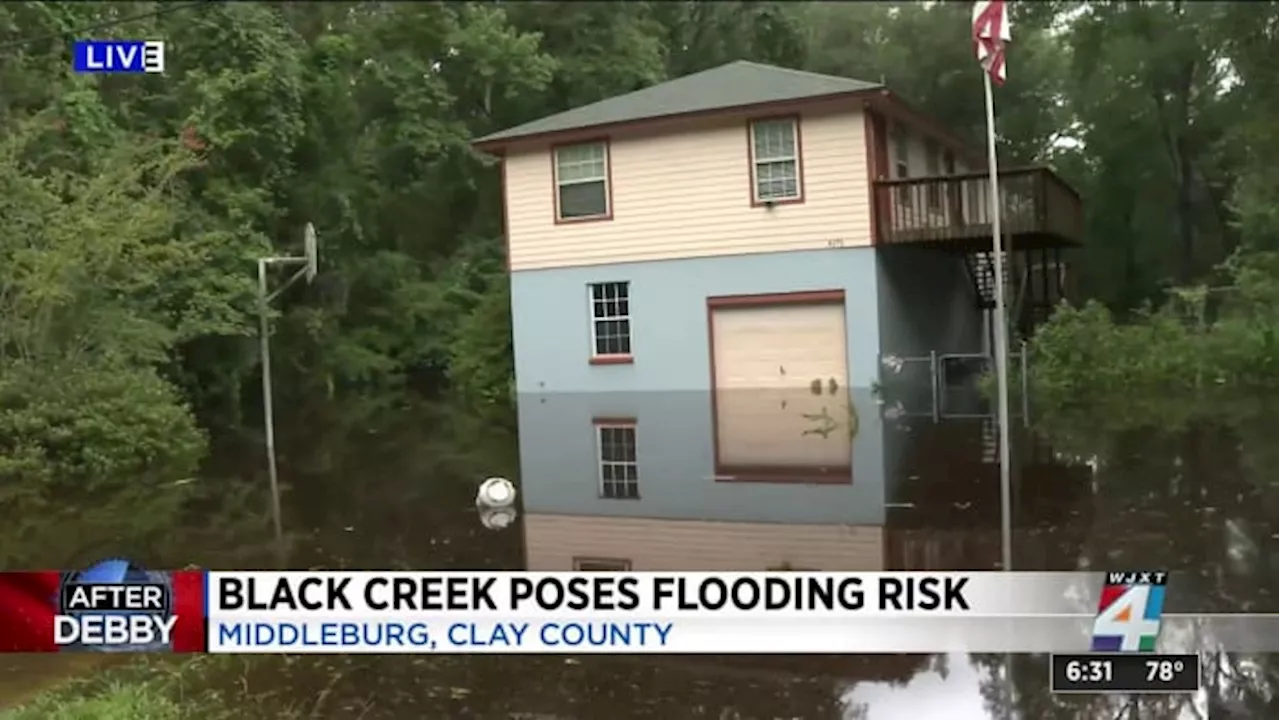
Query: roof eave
(498,146)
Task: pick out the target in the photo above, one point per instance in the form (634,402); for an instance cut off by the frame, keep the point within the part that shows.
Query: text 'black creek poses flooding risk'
(600,593)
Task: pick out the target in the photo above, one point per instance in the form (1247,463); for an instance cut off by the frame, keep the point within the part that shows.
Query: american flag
(990,34)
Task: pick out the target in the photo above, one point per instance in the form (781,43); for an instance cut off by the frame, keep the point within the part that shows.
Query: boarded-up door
(781,379)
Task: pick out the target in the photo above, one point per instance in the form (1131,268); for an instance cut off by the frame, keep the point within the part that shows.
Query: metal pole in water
(1001,339)
(309,261)
(990,33)
(1026,396)
(933,382)
(268,415)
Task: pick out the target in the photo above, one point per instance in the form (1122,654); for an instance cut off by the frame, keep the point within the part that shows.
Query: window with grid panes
(619,472)
(610,318)
(775,160)
(582,181)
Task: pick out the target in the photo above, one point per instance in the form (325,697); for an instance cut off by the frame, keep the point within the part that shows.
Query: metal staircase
(982,272)
(990,441)
(1034,282)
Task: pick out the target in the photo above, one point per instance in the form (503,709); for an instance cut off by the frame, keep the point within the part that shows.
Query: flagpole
(1001,339)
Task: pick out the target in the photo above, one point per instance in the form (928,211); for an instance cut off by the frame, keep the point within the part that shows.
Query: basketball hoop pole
(308,270)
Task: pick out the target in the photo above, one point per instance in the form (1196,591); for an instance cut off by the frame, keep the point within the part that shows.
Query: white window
(933,168)
(619,473)
(601,565)
(901,166)
(901,154)
(610,319)
(582,181)
(775,156)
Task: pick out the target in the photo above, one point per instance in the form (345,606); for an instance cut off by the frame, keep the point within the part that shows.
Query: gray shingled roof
(737,84)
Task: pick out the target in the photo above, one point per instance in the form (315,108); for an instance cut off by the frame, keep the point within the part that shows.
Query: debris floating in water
(496,492)
(497,518)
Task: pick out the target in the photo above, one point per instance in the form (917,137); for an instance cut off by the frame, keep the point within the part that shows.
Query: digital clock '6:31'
(1124,672)
(1089,670)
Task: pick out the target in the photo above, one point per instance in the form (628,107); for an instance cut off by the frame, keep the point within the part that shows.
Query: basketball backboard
(311,252)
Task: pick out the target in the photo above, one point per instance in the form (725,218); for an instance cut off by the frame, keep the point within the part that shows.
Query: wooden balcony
(954,211)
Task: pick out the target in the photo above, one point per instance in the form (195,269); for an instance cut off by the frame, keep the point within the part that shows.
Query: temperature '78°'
(1163,670)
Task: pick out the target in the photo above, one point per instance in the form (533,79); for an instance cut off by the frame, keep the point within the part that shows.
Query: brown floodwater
(399,495)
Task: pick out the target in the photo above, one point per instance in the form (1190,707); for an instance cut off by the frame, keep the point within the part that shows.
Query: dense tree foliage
(1177,116)
(133,209)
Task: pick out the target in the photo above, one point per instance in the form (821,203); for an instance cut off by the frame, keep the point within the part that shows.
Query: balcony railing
(1038,208)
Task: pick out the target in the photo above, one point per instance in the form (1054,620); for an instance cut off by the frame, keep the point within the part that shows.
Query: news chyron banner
(117,606)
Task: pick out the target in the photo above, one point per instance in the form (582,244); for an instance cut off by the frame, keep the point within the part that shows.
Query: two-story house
(708,276)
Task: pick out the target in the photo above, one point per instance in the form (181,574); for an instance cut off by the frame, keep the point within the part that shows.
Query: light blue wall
(667,389)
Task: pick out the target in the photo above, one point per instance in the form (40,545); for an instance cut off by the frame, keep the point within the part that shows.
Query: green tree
(85,420)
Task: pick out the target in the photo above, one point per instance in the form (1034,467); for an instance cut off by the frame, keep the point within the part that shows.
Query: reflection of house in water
(702,304)
(663,522)
(629,481)
(555,542)
(945,505)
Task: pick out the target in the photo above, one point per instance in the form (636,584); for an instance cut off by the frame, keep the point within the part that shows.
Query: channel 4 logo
(1129,611)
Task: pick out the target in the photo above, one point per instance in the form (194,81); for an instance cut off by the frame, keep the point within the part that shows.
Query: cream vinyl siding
(768,363)
(687,193)
(553,541)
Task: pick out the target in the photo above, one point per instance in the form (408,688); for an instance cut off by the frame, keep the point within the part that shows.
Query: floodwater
(397,493)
